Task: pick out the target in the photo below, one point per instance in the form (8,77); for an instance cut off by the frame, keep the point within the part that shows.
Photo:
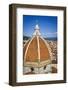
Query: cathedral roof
(37,51)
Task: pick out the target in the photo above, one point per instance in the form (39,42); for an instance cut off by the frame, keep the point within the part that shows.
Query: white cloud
(54,33)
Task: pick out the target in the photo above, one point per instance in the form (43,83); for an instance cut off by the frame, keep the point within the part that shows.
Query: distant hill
(26,37)
(52,38)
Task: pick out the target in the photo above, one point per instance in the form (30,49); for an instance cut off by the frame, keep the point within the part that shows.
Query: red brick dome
(37,51)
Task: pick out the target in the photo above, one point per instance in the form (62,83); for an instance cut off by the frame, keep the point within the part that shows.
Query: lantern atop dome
(37,27)
(37,30)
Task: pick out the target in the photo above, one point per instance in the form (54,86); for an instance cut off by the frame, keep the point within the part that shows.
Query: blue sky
(47,24)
